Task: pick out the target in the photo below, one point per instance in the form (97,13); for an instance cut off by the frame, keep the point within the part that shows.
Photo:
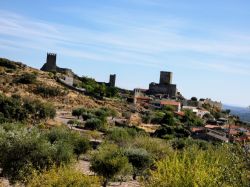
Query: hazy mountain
(242,112)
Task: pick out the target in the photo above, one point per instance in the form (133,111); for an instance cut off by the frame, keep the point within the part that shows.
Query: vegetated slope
(17,78)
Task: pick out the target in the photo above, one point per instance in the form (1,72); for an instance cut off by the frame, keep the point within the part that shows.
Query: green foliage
(48,91)
(182,143)
(24,150)
(119,135)
(81,146)
(194,99)
(108,161)
(78,112)
(7,64)
(157,148)
(140,160)
(62,177)
(177,131)
(168,119)
(97,89)
(26,78)
(17,109)
(154,117)
(190,119)
(195,167)
(94,124)
(111,92)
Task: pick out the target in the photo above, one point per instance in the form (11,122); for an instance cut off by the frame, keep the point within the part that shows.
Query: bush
(194,167)
(189,142)
(62,177)
(81,146)
(78,112)
(94,124)
(24,150)
(7,63)
(108,161)
(140,160)
(157,148)
(119,136)
(26,78)
(176,131)
(48,91)
(17,109)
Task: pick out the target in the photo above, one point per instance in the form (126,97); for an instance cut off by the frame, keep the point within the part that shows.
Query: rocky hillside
(12,81)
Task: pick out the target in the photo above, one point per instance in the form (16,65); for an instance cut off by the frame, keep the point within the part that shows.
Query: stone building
(112,79)
(111,83)
(51,66)
(165,86)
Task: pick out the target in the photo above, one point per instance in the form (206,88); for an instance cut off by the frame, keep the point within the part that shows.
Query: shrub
(26,78)
(24,150)
(157,148)
(48,91)
(7,63)
(81,146)
(176,131)
(195,167)
(17,109)
(108,161)
(21,152)
(78,112)
(119,136)
(63,177)
(94,124)
(140,160)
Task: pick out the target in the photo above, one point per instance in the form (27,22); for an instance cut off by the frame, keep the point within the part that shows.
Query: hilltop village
(61,129)
(214,125)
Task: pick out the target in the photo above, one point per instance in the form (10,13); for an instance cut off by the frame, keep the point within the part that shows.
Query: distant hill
(242,112)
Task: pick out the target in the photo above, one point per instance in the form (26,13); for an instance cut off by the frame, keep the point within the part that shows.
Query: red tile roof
(167,102)
(180,113)
(211,126)
(197,129)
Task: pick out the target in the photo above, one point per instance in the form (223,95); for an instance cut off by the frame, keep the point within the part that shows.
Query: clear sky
(206,44)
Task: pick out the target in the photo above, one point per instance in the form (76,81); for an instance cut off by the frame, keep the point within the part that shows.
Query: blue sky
(206,44)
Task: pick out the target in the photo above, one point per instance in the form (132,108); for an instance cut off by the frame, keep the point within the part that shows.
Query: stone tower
(166,77)
(112,78)
(50,64)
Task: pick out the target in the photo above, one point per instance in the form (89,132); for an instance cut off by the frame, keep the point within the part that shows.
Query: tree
(93,124)
(81,146)
(168,119)
(108,161)
(140,160)
(78,112)
(194,99)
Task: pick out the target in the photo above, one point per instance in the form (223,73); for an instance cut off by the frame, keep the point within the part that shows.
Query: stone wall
(165,89)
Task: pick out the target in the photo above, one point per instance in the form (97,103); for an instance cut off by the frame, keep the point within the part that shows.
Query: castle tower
(166,77)
(50,64)
(112,79)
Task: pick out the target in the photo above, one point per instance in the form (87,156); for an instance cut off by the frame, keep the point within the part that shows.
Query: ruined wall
(50,64)
(166,77)
(112,79)
(166,89)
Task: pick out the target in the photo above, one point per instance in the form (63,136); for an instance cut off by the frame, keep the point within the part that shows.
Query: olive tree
(108,161)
